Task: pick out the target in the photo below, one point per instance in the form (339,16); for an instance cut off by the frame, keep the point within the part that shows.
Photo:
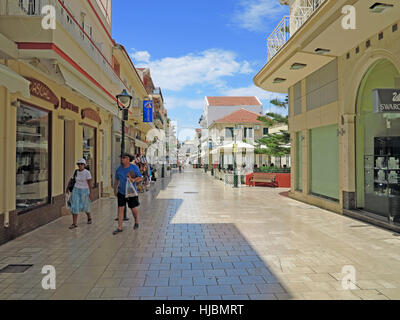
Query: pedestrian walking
(127,173)
(81,193)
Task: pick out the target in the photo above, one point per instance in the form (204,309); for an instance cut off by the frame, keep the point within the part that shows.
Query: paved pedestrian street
(201,240)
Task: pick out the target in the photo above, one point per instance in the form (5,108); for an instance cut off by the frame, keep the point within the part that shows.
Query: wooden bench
(264,178)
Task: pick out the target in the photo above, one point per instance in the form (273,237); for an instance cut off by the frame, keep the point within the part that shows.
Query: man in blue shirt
(124,172)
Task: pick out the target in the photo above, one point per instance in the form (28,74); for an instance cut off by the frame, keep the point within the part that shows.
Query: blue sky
(198,48)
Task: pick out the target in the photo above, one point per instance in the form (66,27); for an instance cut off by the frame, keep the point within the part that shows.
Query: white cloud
(172,102)
(253,15)
(141,56)
(252,90)
(209,67)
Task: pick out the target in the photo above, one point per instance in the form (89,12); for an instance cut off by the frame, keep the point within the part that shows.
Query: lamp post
(124,101)
(235,176)
(210,146)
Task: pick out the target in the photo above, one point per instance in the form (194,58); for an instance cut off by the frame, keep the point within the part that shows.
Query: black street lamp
(124,101)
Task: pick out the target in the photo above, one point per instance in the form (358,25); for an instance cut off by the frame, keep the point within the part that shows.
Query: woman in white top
(82,194)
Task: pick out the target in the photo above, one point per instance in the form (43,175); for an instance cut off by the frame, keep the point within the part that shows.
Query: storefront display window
(89,149)
(324,164)
(32,158)
(378,147)
(299,161)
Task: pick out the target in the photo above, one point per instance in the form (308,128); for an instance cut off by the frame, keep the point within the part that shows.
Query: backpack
(72,182)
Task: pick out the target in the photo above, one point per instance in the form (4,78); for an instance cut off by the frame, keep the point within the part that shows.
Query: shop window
(299,161)
(378,147)
(288,160)
(248,133)
(229,133)
(32,158)
(324,153)
(89,150)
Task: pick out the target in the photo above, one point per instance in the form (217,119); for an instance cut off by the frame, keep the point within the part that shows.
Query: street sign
(148,111)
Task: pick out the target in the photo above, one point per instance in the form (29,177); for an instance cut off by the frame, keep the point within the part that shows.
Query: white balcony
(300,12)
(66,19)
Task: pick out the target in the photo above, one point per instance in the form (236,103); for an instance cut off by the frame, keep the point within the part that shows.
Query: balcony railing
(104,10)
(69,23)
(301,11)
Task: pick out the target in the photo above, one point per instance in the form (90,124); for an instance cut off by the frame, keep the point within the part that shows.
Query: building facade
(58,104)
(345,129)
(219,107)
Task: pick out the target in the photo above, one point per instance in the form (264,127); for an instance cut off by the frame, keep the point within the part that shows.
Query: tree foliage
(277,144)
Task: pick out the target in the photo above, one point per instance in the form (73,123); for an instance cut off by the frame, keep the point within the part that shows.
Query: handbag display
(72,182)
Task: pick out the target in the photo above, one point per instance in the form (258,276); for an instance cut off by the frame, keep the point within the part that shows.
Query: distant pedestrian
(82,193)
(125,172)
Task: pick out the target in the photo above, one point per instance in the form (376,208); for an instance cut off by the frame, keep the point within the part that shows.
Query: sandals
(117,231)
(73,226)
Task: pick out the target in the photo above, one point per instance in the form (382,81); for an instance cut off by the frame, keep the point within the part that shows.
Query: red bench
(263,178)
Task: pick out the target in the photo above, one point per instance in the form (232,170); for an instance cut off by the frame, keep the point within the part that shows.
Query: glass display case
(382,178)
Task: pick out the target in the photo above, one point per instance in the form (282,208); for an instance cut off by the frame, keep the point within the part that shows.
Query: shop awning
(13,81)
(76,83)
(240,145)
(140,144)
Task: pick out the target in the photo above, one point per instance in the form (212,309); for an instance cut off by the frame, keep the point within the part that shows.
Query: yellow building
(57,104)
(339,60)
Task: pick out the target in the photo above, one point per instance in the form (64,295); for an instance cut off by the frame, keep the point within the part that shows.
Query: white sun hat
(82,161)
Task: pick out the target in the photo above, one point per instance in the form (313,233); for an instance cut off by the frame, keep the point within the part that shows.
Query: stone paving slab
(220,243)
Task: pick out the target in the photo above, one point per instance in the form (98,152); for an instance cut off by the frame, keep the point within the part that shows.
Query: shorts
(132,202)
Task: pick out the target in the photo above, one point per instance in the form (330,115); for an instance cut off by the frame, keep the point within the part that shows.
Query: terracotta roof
(233,101)
(241,116)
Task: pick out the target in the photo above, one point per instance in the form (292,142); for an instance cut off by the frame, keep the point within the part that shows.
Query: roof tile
(241,116)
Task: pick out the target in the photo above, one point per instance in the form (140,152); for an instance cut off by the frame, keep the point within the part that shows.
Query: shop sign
(39,90)
(69,106)
(147,111)
(386,100)
(91,114)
